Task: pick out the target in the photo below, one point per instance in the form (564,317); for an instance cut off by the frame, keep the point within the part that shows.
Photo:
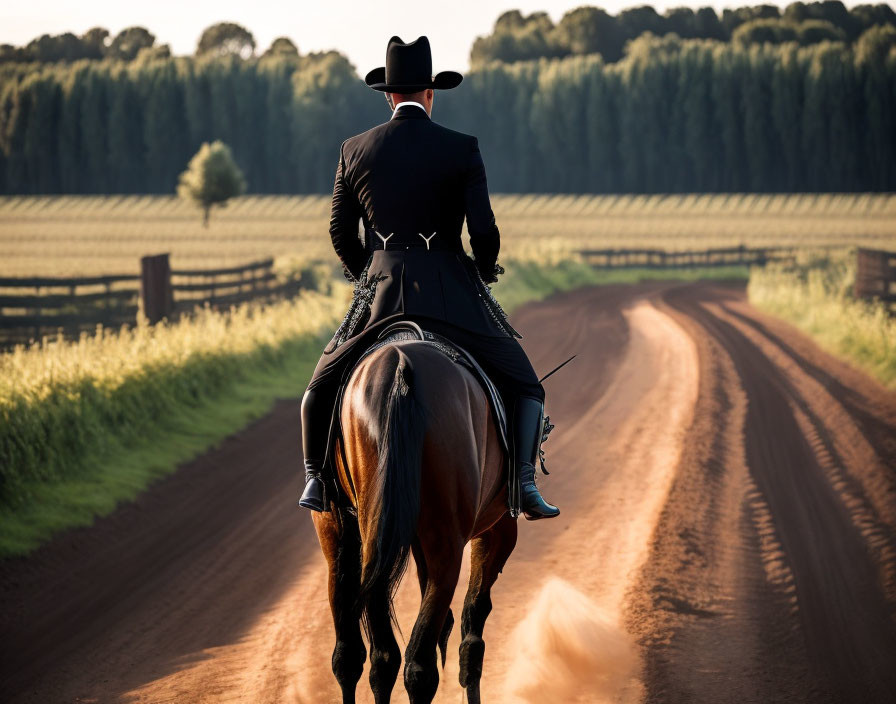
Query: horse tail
(394,498)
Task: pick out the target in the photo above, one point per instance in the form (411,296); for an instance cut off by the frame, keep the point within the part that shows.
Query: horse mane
(394,498)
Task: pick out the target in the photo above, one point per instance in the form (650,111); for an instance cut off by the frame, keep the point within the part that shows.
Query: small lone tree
(212,177)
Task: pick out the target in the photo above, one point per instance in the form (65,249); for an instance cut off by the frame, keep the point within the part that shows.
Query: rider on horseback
(411,182)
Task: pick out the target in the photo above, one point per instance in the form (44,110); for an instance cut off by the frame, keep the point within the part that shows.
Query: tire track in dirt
(813,489)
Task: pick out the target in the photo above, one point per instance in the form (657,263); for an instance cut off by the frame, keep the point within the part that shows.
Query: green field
(83,235)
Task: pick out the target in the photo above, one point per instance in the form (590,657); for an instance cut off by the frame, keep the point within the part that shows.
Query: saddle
(406,330)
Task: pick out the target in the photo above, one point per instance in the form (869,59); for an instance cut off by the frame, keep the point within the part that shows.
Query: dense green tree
(278,166)
(786,108)
(165,131)
(96,41)
(18,113)
(94,135)
(707,24)
(63,47)
(636,20)
(698,135)
(325,111)
(602,119)
(152,53)
(733,18)
(766,30)
(558,118)
(40,131)
(282,46)
(127,153)
(681,21)
(70,149)
(763,151)
(198,100)
(815,31)
(867,16)
(728,68)
(226,38)
(518,38)
(128,43)
(590,30)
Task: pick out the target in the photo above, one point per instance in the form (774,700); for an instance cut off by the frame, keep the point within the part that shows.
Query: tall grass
(815,294)
(73,414)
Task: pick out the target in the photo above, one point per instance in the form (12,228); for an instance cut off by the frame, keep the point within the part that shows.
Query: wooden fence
(222,288)
(30,307)
(35,306)
(876,275)
(661,259)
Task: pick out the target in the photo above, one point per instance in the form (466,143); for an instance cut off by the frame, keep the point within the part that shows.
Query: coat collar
(409,110)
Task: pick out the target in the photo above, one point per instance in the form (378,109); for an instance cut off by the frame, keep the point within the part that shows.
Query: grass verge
(86,424)
(126,465)
(815,295)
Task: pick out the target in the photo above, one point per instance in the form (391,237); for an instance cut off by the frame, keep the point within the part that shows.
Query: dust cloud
(570,650)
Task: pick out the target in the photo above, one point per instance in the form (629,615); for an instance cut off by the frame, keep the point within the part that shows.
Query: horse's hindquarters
(461,474)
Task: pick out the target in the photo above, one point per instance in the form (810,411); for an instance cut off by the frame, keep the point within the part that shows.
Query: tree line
(673,115)
(592,30)
(133,43)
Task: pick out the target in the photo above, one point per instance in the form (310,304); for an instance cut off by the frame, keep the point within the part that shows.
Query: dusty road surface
(728,495)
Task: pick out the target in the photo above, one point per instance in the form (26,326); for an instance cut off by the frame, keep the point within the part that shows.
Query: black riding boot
(315,429)
(527,429)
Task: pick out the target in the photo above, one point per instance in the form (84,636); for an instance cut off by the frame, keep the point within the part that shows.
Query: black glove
(491,276)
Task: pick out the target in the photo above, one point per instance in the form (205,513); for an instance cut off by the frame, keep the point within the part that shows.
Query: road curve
(727,492)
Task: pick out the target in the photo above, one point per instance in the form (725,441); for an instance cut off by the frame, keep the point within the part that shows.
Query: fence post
(156,294)
(870,279)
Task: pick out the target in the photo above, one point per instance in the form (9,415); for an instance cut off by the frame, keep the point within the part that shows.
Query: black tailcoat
(410,180)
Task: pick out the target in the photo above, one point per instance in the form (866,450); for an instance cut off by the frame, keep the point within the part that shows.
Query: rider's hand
(491,277)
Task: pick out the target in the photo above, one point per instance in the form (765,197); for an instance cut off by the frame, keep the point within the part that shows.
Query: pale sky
(359,29)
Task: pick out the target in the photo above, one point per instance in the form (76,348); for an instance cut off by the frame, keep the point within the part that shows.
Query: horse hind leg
(421,672)
(385,655)
(488,554)
(422,577)
(340,541)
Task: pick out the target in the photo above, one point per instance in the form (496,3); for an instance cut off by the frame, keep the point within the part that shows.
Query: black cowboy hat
(408,69)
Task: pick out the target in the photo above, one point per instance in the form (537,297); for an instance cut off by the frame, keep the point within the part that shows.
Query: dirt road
(728,493)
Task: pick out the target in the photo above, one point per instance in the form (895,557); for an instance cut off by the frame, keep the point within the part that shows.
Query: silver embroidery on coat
(491,303)
(362,299)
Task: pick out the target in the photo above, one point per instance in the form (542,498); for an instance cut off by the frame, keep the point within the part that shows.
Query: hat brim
(444,80)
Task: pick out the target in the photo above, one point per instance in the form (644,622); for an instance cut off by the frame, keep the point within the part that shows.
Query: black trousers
(502,358)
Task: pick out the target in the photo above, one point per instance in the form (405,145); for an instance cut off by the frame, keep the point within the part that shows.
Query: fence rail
(39,305)
(221,288)
(876,275)
(662,259)
(35,305)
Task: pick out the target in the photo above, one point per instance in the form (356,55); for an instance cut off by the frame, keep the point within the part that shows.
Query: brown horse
(424,467)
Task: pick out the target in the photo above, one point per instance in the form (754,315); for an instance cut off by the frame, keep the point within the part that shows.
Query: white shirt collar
(409,102)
